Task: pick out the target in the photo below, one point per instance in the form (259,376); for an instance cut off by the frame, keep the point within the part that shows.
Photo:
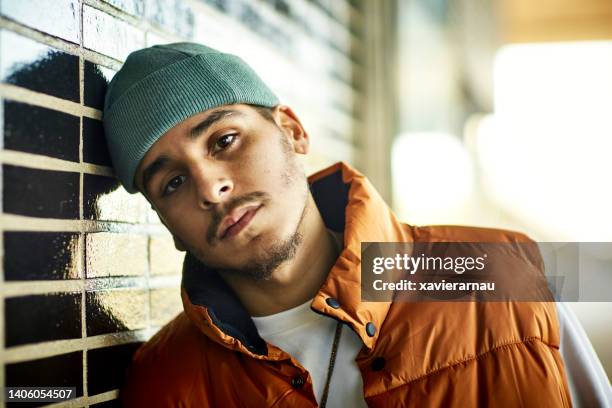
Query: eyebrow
(148,173)
(211,119)
(163,160)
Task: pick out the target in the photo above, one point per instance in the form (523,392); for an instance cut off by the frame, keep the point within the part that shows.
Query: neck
(295,281)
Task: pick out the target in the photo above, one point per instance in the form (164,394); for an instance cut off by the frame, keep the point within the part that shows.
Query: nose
(212,187)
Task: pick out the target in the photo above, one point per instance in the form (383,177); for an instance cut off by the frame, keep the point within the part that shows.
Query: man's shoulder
(462,233)
(470,330)
(171,341)
(167,366)
(459,339)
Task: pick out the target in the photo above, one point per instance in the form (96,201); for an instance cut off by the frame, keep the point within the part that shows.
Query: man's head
(222,172)
(160,86)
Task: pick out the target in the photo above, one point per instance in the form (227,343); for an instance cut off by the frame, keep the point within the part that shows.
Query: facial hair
(261,268)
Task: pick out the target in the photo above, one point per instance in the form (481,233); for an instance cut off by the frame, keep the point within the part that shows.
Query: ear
(289,123)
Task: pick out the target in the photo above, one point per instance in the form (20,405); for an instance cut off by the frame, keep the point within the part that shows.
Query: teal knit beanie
(160,86)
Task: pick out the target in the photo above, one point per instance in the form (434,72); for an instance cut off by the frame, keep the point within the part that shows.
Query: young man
(271,279)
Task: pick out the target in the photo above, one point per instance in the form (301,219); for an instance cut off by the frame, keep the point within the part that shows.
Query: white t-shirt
(308,337)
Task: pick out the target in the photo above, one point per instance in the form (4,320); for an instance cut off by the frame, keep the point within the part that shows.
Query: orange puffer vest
(429,354)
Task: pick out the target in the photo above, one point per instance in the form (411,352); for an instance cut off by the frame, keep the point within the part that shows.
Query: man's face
(230,188)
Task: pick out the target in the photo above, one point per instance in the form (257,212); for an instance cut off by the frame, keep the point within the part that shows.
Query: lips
(237,220)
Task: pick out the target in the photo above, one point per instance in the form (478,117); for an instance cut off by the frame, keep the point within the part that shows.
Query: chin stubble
(262,269)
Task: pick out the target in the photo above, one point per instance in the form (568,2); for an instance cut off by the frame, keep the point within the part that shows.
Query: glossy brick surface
(38,67)
(37,130)
(111,254)
(95,150)
(41,255)
(166,303)
(105,200)
(59,18)
(116,311)
(106,367)
(96,79)
(165,258)
(108,404)
(134,7)
(40,193)
(36,318)
(172,15)
(64,370)
(108,35)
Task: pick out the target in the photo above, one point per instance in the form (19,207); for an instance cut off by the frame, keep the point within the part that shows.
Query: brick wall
(88,272)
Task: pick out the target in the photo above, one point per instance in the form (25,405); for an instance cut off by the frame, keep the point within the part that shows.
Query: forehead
(202,121)
(186,127)
(220,112)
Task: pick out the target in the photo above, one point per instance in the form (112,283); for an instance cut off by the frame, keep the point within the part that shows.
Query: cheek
(182,224)
(260,166)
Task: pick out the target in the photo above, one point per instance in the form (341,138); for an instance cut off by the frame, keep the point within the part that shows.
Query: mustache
(217,215)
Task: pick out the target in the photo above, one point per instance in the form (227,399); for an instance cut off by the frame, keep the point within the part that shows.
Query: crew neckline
(286,320)
(297,316)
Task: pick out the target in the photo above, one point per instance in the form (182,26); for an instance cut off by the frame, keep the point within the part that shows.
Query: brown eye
(225,141)
(173,184)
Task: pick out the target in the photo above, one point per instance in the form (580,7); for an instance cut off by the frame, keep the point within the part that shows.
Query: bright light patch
(545,154)
(432,177)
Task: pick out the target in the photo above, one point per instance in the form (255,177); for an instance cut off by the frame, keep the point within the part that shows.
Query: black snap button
(378,363)
(370,329)
(333,302)
(298,381)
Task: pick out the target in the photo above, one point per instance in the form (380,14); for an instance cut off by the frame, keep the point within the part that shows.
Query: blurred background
(505,120)
(494,113)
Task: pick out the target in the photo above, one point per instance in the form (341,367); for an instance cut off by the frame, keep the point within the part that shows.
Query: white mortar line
(99,284)
(13,222)
(37,287)
(92,399)
(81,248)
(37,161)
(105,396)
(19,94)
(28,352)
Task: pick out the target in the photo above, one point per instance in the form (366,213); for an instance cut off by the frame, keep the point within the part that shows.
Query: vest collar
(348,204)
